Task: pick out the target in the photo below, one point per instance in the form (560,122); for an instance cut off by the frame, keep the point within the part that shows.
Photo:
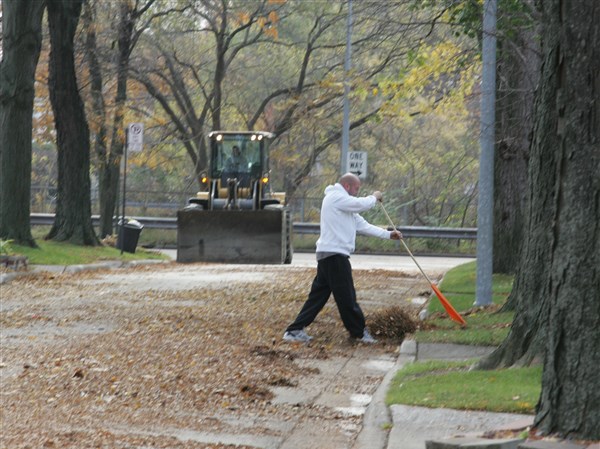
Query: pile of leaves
(392,323)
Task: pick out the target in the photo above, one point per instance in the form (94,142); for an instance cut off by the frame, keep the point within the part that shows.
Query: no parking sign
(135,137)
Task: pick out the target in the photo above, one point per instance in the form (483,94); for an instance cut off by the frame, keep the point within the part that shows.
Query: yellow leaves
(243,17)
(121,134)
(271,32)
(437,77)
(331,82)
(157,157)
(268,24)
(273,17)
(262,22)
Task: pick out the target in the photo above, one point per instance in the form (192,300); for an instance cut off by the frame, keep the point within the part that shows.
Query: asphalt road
(382,262)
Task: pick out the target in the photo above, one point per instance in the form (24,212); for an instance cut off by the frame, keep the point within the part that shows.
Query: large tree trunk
(558,281)
(21,44)
(98,114)
(570,401)
(524,343)
(109,154)
(109,176)
(73,220)
(108,192)
(518,75)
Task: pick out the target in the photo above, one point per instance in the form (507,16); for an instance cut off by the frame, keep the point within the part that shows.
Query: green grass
(60,253)
(154,237)
(459,287)
(485,326)
(453,385)
(483,329)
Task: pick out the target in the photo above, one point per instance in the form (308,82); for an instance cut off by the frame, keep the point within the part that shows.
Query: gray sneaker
(297,336)
(367,338)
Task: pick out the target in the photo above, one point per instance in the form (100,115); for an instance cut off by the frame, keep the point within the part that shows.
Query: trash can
(129,233)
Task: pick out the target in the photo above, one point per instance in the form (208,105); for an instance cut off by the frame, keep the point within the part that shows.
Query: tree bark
(98,117)
(518,75)
(109,175)
(21,40)
(570,400)
(73,220)
(110,151)
(558,281)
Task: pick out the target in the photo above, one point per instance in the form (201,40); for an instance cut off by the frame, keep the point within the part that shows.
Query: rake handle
(404,244)
(454,315)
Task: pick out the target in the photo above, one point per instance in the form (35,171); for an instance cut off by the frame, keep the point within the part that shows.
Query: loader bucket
(233,236)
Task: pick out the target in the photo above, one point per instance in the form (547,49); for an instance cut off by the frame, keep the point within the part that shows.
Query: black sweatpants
(334,275)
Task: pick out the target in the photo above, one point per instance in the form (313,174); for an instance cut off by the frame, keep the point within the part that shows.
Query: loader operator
(340,221)
(237,162)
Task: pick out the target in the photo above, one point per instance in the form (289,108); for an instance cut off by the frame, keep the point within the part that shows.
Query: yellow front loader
(236,217)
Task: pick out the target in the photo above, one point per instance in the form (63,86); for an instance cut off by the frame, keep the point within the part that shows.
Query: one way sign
(357,163)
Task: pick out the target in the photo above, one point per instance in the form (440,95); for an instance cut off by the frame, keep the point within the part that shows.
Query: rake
(452,313)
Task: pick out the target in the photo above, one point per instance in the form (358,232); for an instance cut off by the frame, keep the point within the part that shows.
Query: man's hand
(396,235)
(378,195)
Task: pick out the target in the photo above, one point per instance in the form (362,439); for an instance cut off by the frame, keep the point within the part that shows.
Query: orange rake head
(454,315)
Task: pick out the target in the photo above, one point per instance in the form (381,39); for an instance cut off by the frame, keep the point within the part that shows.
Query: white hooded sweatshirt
(340,221)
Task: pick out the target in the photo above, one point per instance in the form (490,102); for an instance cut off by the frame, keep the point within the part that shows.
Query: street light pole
(485,206)
(121,235)
(346,120)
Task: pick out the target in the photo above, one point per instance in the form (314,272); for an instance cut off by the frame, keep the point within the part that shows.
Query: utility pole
(347,65)
(485,205)
(121,224)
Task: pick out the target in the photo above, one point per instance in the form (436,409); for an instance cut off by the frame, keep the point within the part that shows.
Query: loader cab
(238,177)
(239,155)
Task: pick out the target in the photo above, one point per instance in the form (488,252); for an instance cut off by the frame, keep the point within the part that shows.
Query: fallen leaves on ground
(87,363)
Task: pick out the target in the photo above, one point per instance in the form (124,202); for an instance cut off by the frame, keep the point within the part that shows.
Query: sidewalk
(421,427)
(413,426)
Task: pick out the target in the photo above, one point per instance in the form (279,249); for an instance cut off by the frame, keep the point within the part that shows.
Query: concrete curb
(474,443)
(61,269)
(109,265)
(377,419)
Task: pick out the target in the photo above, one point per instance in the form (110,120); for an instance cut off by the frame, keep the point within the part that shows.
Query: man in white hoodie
(340,221)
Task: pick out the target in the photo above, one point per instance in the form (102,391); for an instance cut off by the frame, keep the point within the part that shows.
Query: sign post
(134,142)
(135,137)
(357,163)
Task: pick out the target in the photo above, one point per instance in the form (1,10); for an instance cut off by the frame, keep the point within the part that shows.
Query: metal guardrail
(148,222)
(407,231)
(438,233)
(299,228)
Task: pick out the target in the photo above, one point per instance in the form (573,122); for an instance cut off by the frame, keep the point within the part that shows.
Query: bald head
(349,178)
(351,183)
